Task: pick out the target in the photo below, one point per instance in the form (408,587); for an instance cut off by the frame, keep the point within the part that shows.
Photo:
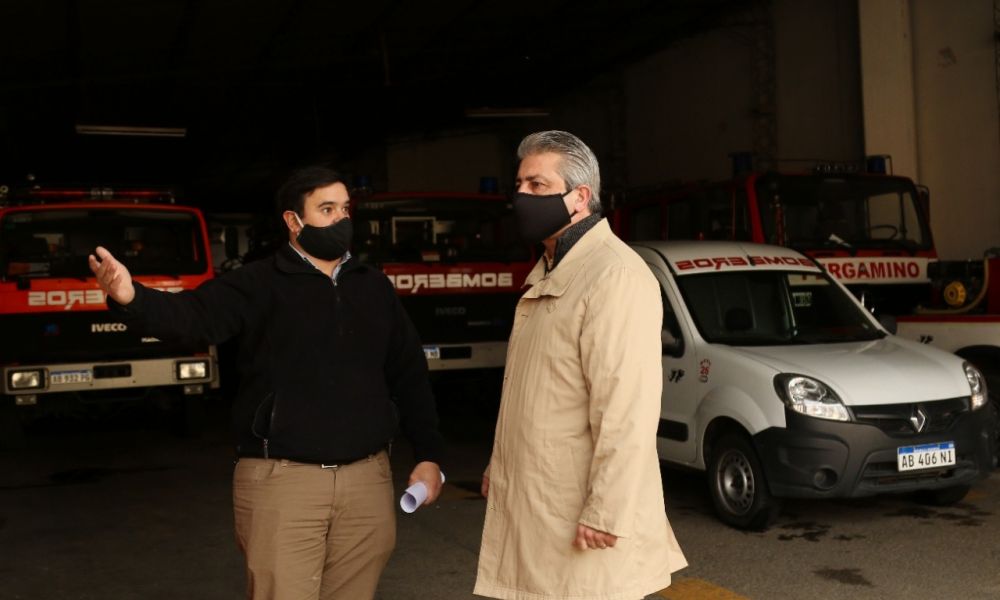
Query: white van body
(780,384)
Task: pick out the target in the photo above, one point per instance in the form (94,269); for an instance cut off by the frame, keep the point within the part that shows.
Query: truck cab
(61,347)
(457,265)
(778,383)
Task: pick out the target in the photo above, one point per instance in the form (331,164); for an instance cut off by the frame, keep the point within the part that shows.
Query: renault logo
(918,419)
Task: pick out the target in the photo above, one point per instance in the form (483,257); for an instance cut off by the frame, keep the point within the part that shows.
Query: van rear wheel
(738,486)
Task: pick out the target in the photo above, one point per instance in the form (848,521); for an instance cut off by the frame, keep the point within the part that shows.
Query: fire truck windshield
(771,308)
(421,229)
(813,212)
(55,242)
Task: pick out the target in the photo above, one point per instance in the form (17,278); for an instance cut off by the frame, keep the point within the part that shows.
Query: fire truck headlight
(26,380)
(977,386)
(197,369)
(810,397)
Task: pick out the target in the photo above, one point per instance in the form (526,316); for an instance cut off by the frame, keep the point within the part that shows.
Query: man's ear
(583,199)
(291,221)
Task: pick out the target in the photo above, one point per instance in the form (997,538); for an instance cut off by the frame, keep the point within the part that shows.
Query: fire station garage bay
(815,186)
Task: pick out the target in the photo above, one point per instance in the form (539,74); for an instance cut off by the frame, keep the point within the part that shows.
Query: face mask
(326,243)
(538,217)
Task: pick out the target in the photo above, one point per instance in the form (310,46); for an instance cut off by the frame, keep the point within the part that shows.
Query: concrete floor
(118,508)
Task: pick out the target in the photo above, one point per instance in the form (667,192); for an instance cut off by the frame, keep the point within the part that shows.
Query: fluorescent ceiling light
(173,132)
(496,113)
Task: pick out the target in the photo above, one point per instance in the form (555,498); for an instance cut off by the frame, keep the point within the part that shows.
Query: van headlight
(977,386)
(810,397)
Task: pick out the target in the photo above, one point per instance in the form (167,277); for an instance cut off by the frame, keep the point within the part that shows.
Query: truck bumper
(476,355)
(111,375)
(817,458)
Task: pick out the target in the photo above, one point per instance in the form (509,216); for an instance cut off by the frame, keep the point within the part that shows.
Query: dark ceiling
(262,84)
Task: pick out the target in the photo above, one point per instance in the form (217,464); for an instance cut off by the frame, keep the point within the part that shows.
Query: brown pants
(314,533)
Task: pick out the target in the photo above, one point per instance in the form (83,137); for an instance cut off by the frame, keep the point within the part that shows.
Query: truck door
(677,431)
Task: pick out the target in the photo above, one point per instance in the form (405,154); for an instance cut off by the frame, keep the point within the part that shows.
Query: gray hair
(578,165)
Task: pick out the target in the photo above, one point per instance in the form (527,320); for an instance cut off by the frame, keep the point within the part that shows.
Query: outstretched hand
(112,276)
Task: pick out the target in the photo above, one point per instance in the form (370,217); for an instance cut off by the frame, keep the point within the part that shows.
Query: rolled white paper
(414,496)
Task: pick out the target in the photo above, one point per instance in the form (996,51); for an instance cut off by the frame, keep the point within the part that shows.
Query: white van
(778,383)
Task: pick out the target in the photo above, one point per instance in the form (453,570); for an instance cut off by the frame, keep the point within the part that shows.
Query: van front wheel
(737,485)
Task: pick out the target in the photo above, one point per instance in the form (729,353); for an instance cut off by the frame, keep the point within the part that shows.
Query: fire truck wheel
(738,486)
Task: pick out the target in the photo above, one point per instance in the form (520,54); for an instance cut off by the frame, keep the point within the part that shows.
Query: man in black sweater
(330,368)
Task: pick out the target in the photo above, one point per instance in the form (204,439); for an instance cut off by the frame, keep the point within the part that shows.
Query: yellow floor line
(696,589)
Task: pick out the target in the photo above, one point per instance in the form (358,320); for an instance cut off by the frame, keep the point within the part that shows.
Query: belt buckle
(334,467)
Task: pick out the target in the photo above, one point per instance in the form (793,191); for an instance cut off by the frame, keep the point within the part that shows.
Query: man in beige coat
(574,498)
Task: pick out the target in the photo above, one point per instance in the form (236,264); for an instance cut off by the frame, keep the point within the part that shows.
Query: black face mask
(326,243)
(538,217)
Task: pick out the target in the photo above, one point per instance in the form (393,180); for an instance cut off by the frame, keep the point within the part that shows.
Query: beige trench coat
(576,435)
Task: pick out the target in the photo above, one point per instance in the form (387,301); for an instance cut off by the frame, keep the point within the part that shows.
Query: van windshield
(767,308)
(56,242)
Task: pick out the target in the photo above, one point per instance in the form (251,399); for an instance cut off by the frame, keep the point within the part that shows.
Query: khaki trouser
(314,533)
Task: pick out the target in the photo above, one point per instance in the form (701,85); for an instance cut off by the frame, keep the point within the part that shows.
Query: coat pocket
(565,483)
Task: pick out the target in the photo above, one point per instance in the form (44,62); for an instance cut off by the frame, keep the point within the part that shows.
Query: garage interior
(219,99)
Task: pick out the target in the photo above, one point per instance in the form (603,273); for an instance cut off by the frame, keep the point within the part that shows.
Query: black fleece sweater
(328,372)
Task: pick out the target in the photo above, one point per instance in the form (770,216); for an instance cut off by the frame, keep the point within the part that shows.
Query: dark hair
(302,182)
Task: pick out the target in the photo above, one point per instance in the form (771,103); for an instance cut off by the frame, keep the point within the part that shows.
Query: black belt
(325,464)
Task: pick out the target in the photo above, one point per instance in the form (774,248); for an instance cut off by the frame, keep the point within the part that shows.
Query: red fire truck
(60,346)
(457,264)
(868,229)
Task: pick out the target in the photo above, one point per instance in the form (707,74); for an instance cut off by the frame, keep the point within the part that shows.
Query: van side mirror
(670,332)
(672,345)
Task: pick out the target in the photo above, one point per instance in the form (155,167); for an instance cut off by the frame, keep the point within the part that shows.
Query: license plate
(432,352)
(926,456)
(62,377)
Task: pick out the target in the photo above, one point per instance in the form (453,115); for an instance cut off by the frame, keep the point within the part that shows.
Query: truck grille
(912,419)
(462,318)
